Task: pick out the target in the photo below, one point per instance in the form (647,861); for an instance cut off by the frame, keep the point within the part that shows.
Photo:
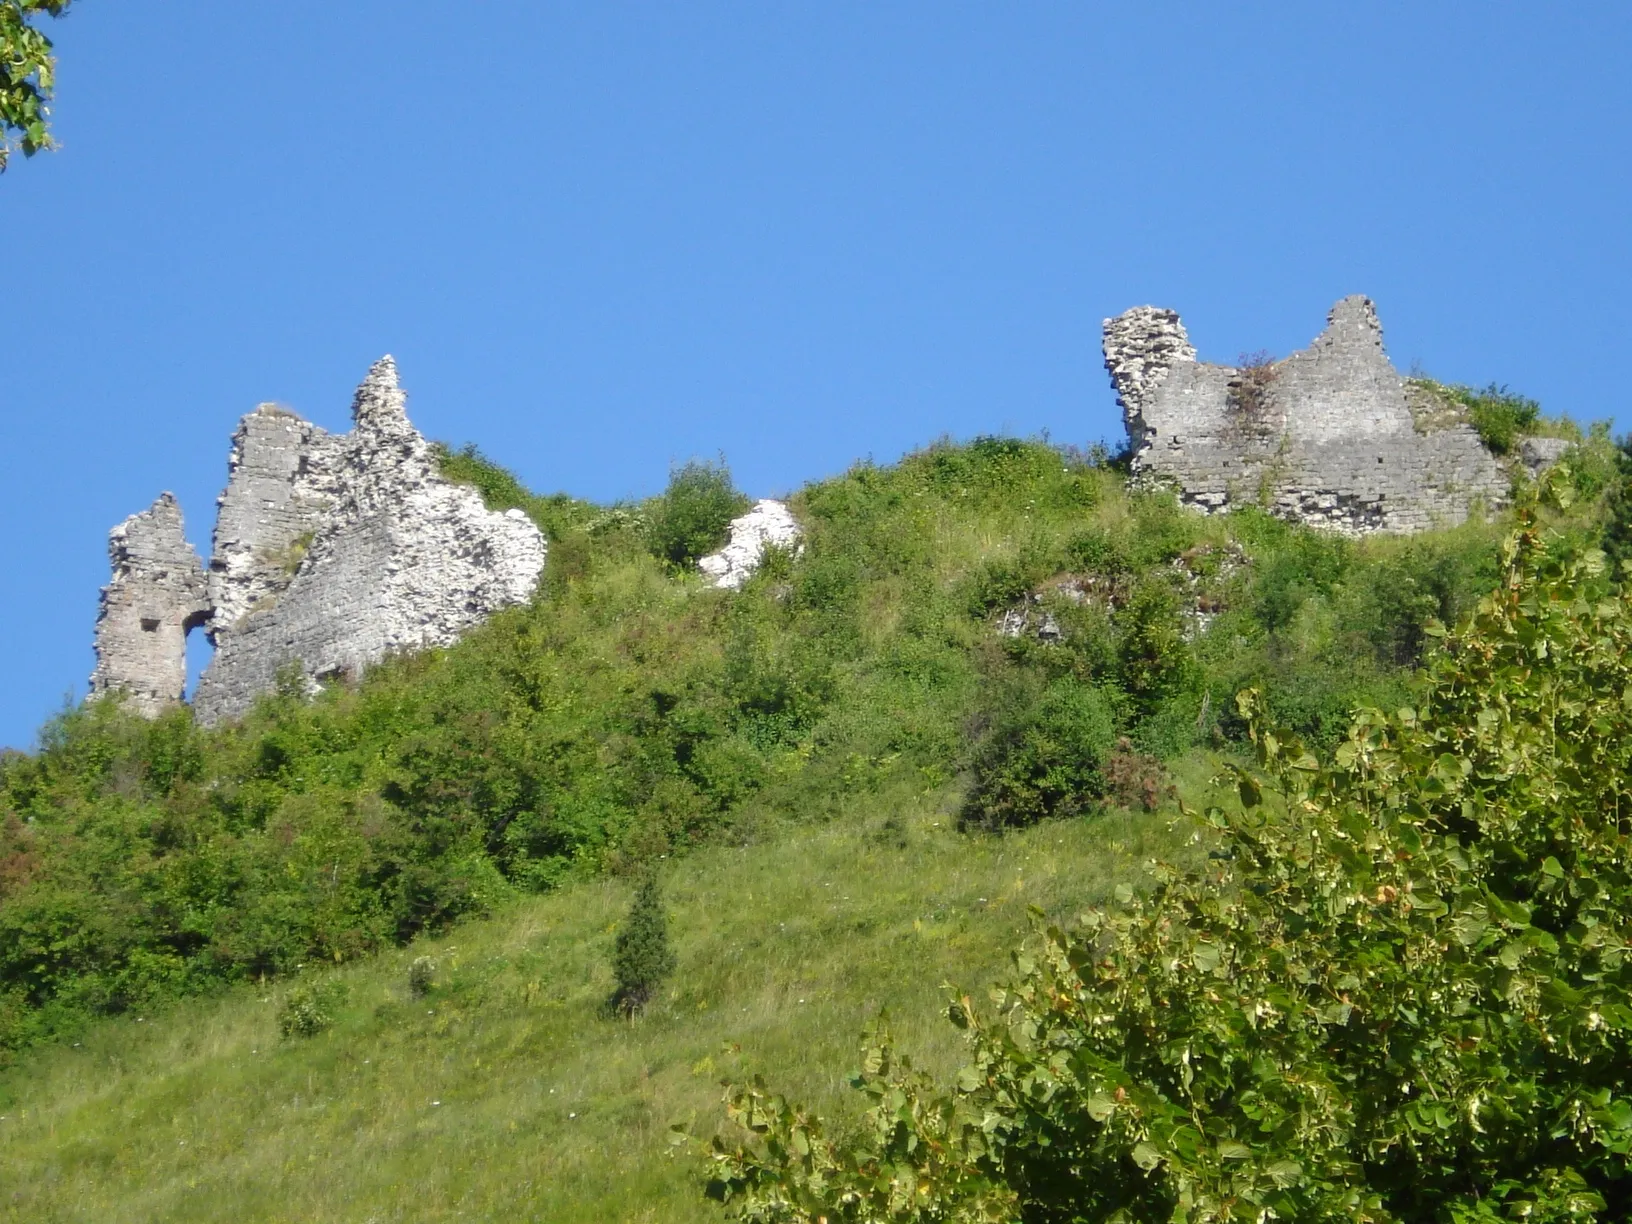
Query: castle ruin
(329,553)
(1330,436)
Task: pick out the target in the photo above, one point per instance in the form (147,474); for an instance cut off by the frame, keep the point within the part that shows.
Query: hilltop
(982,684)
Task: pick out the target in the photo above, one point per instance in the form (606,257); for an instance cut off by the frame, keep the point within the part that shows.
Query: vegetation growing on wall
(1500,415)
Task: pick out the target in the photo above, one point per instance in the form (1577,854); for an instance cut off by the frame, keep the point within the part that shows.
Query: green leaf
(1100,1108)
(1145,1156)
(1251,794)
(1285,1173)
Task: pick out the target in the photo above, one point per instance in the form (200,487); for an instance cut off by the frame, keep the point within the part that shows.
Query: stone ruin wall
(157,594)
(330,552)
(1327,436)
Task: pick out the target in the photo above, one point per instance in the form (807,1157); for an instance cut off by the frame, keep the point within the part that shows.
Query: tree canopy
(27,76)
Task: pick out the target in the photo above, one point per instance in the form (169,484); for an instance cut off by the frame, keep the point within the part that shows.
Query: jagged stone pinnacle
(156,593)
(380,404)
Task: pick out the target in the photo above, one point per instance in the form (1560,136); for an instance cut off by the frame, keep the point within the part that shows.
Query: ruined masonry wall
(156,594)
(329,553)
(1325,436)
(398,558)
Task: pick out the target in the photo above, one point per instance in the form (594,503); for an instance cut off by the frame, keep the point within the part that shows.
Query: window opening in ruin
(150,624)
(199,653)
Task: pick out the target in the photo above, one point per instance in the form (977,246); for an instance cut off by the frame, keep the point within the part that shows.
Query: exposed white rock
(330,553)
(156,594)
(768,524)
(335,551)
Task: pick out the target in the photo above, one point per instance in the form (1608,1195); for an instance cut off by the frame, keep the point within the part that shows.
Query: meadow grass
(510,1091)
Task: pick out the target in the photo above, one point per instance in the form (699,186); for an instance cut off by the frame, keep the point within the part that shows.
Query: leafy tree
(690,520)
(27,76)
(1618,517)
(1404,995)
(641,956)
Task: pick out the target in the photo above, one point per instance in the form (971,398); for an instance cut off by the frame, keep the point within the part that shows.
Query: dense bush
(308,1008)
(1406,997)
(1044,757)
(1618,520)
(690,519)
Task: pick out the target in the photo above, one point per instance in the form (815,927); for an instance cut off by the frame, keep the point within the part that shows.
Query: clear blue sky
(603,238)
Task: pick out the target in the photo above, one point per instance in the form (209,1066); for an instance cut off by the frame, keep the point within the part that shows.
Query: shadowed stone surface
(156,594)
(1539,454)
(769,524)
(1325,436)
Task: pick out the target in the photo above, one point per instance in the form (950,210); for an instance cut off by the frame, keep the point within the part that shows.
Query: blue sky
(604,238)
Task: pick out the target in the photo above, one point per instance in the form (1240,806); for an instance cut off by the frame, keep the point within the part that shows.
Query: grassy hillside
(630,713)
(852,782)
(550,1108)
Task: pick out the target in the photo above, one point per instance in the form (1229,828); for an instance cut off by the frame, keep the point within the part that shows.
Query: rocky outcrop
(332,551)
(1325,436)
(769,524)
(156,595)
(1539,454)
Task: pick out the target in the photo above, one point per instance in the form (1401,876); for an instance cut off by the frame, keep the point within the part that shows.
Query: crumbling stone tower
(157,594)
(329,553)
(1326,436)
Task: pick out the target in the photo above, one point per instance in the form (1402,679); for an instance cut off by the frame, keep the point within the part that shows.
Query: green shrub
(1500,416)
(1406,999)
(1153,658)
(499,487)
(421,976)
(557,515)
(641,956)
(691,519)
(1042,755)
(1096,551)
(1617,532)
(309,1008)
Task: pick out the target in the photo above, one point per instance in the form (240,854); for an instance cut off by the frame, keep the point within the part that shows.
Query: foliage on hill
(631,712)
(503,1088)
(1407,996)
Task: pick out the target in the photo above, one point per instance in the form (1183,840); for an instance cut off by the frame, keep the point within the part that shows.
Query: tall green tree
(642,957)
(27,76)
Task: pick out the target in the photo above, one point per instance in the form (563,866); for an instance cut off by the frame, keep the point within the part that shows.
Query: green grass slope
(510,1092)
